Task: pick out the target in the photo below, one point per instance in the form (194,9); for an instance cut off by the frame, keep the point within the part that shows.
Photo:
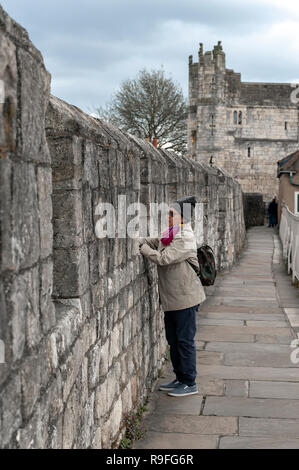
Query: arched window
(240,117)
(249,152)
(235,117)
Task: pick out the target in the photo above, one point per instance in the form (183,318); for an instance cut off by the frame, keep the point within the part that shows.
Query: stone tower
(242,127)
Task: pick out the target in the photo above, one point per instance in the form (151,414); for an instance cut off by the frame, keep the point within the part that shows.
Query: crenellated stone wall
(80,316)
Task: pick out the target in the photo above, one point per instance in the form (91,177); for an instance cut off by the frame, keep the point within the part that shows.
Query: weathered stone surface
(165,405)
(250,373)
(35,434)
(11,411)
(264,359)
(157,440)
(44,185)
(209,357)
(235,442)
(9,78)
(35,90)
(256,407)
(71,272)
(262,389)
(21,243)
(30,384)
(47,308)
(210,386)
(236,388)
(71,420)
(169,422)
(269,427)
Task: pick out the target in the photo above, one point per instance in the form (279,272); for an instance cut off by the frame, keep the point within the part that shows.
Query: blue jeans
(180,328)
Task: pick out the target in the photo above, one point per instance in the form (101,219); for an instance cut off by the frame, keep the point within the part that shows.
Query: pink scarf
(168,234)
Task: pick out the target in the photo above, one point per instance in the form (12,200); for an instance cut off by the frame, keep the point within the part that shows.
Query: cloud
(90,46)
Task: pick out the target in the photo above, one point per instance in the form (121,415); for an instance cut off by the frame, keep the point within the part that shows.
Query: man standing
(272,213)
(181,292)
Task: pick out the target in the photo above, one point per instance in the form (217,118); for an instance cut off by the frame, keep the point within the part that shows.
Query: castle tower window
(240,117)
(235,117)
(249,152)
(286,125)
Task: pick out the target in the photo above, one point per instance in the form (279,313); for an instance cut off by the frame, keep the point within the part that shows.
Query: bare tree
(150,106)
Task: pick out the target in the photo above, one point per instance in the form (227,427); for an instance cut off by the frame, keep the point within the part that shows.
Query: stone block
(47,308)
(11,409)
(20,240)
(24,305)
(91,157)
(9,101)
(71,368)
(71,272)
(30,379)
(94,362)
(44,186)
(157,440)
(35,434)
(101,402)
(67,168)
(34,95)
(67,219)
(71,417)
(255,407)
(104,359)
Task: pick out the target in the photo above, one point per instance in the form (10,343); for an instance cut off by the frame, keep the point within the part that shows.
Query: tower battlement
(208,59)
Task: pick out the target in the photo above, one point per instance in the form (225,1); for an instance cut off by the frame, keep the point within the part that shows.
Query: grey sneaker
(167,387)
(183,390)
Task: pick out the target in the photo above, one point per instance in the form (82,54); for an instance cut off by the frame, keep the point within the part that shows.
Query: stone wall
(80,316)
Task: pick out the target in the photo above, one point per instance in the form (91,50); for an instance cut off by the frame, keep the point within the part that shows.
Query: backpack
(207,267)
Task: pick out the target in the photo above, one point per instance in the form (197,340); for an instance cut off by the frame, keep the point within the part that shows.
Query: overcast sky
(90,46)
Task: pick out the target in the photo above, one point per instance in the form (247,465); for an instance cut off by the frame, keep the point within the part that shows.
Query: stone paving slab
(256,407)
(248,347)
(287,374)
(158,440)
(241,316)
(258,443)
(242,330)
(263,389)
(236,388)
(209,357)
(252,301)
(211,321)
(274,339)
(267,324)
(193,425)
(265,427)
(189,406)
(241,309)
(210,386)
(258,359)
(212,335)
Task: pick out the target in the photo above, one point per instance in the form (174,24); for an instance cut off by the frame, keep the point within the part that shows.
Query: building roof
(288,163)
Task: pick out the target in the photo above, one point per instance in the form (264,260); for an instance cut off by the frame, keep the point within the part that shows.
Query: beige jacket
(179,285)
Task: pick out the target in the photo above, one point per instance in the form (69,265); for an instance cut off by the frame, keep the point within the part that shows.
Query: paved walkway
(248,386)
